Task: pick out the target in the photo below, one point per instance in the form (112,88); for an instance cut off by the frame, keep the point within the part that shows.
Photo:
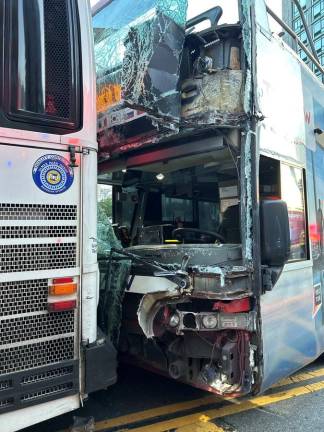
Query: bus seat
(230,226)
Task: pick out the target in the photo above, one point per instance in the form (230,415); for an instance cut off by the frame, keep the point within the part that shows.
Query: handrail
(296,38)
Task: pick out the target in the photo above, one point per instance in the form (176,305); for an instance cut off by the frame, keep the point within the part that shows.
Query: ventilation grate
(37,212)
(53,373)
(5,384)
(5,403)
(58,56)
(35,327)
(25,357)
(23,297)
(20,258)
(60,388)
(11,232)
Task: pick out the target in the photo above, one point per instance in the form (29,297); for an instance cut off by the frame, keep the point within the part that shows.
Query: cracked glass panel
(113,274)
(138,47)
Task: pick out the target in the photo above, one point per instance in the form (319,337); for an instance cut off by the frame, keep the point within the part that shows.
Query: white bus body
(48,217)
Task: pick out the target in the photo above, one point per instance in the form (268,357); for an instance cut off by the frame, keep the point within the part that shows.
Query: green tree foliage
(105,209)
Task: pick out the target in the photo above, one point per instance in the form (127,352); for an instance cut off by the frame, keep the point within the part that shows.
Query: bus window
(42,67)
(176,209)
(282,181)
(209,215)
(292,191)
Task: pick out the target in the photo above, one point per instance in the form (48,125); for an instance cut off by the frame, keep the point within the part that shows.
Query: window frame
(314,7)
(28,120)
(305,209)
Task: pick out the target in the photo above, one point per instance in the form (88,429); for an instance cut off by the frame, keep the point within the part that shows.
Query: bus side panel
(288,328)
(314,121)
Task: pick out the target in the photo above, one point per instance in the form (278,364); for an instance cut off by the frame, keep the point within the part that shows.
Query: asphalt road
(144,402)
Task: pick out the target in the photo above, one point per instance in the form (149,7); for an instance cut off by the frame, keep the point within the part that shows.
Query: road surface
(144,402)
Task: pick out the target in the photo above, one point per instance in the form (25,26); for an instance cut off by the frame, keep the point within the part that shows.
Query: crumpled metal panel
(219,99)
(150,305)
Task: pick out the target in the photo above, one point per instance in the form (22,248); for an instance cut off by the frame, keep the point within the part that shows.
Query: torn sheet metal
(215,98)
(150,306)
(221,282)
(224,283)
(247,45)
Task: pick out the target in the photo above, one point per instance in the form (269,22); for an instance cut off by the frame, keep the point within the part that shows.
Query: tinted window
(208,215)
(42,74)
(176,209)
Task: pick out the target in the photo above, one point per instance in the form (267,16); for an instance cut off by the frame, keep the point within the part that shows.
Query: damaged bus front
(198,238)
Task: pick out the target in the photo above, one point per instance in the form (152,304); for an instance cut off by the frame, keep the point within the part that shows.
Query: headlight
(174,320)
(209,321)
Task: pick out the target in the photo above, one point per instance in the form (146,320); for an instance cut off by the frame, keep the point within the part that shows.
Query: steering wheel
(180,234)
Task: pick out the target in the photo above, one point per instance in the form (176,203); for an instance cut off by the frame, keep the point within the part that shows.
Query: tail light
(62,294)
(62,289)
(233,306)
(61,306)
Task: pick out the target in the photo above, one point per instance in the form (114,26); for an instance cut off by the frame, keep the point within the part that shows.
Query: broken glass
(113,279)
(138,46)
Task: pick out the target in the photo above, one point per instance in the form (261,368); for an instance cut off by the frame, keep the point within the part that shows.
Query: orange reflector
(64,289)
(61,306)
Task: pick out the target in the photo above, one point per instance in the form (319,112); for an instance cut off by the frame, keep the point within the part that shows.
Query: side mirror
(275,234)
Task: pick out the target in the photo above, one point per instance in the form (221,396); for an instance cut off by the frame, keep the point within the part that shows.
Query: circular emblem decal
(52,174)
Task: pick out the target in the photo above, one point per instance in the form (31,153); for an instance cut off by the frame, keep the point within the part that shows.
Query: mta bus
(50,350)
(211,142)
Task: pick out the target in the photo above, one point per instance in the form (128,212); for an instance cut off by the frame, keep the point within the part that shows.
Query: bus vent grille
(11,232)
(50,374)
(37,212)
(5,384)
(57,51)
(20,258)
(60,388)
(29,356)
(27,328)
(5,403)
(23,297)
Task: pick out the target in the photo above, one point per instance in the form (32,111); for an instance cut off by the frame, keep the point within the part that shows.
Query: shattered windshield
(138,46)
(111,23)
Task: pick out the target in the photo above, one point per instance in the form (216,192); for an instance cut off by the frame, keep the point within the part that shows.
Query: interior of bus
(189,200)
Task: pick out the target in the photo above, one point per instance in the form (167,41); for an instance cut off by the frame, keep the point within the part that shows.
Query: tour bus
(211,138)
(50,351)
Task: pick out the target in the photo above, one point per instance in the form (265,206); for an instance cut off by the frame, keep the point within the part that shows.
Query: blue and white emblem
(52,174)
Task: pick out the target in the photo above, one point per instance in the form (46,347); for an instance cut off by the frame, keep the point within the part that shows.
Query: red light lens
(62,280)
(61,306)
(233,306)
